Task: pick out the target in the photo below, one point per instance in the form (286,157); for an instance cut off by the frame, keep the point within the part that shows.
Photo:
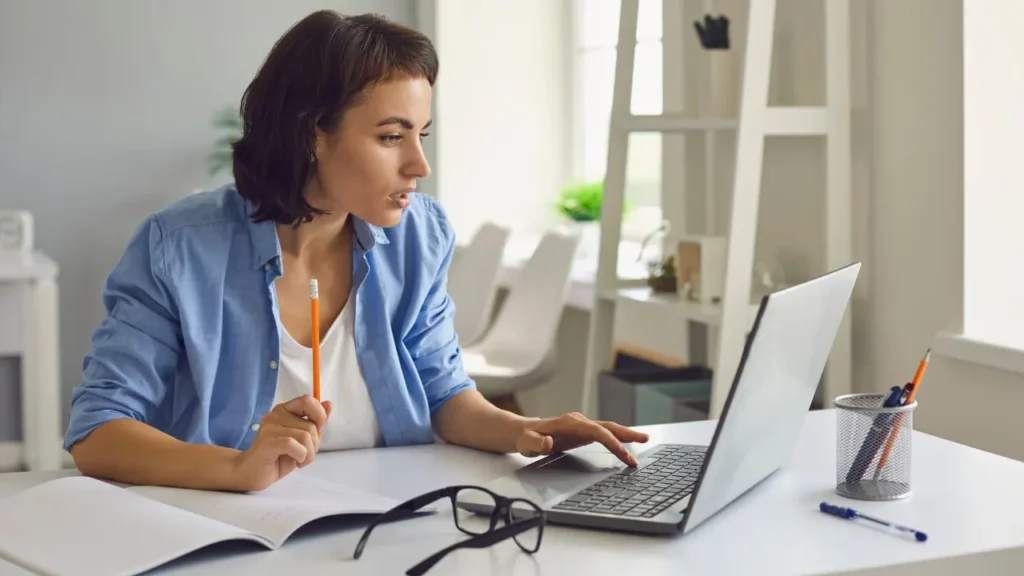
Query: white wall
(105,116)
(503,143)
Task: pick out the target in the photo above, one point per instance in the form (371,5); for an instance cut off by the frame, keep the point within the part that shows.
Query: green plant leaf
(225,120)
(581,201)
(220,160)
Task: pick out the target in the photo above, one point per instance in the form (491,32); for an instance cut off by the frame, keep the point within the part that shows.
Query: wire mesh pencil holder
(872,447)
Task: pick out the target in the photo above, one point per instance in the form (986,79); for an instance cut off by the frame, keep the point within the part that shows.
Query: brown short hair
(312,75)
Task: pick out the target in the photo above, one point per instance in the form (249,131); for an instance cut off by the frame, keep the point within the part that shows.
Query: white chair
(519,350)
(473,281)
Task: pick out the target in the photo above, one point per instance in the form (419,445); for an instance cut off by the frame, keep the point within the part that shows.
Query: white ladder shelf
(757,120)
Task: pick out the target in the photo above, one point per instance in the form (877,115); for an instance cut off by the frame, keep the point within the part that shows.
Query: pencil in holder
(873,447)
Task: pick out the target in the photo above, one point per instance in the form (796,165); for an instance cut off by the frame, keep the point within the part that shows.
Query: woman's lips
(401,199)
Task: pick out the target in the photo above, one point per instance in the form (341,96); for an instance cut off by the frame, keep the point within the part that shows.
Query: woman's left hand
(546,435)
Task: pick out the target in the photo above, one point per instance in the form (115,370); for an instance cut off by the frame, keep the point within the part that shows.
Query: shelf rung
(675,123)
(795,121)
(778,121)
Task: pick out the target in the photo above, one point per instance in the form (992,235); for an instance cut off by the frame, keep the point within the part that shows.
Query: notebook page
(278,511)
(80,525)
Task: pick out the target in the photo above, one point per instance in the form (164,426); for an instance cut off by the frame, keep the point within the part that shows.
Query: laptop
(677,487)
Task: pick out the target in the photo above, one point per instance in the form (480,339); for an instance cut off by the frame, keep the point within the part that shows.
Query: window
(594,55)
(993,176)
(503,136)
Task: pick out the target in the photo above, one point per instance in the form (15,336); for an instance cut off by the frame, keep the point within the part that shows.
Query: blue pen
(851,514)
(879,431)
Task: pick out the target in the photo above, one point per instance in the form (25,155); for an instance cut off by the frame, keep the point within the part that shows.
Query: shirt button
(267,266)
(273,364)
(255,426)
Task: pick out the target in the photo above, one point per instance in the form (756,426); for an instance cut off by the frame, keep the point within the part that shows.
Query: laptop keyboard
(642,492)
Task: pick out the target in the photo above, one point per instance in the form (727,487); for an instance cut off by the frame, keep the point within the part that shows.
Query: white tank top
(353,422)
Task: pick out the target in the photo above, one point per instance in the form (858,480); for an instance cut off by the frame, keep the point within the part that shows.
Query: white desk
(29,330)
(967,501)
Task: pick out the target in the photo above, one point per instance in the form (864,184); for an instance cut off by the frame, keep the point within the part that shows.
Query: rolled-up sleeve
(432,342)
(135,349)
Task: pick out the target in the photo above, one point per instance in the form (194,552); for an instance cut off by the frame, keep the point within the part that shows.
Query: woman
(199,375)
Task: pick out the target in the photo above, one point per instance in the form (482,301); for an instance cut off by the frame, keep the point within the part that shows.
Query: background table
(968,501)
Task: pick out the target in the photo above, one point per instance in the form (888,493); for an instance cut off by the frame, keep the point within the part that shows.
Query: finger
(290,447)
(594,432)
(288,420)
(578,427)
(328,408)
(304,438)
(308,407)
(532,444)
(624,433)
(289,453)
(605,437)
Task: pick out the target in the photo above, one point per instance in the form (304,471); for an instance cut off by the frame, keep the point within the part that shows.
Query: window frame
(578,126)
(958,344)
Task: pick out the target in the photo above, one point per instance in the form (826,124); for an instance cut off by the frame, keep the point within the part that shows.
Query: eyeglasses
(524,521)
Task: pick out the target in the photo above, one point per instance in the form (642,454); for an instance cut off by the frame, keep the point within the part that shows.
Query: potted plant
(661,275)
(229,122)
(581,201)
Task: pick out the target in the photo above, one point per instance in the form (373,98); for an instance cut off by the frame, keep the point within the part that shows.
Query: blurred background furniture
(518,352)
(29,332)
(473,281)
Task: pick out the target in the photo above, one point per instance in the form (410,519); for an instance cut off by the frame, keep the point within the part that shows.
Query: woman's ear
(319,145)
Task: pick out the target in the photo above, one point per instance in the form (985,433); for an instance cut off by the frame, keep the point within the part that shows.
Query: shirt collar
(266,247)
(367,235)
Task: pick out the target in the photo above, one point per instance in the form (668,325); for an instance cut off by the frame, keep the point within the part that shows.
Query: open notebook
(80,525)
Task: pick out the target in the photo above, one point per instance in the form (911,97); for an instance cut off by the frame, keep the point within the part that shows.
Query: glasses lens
(473,509)
(522,511)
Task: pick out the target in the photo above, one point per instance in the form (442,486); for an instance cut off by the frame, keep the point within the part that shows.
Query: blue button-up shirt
(190,341)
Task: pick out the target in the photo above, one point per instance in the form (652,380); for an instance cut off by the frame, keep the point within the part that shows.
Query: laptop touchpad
(583,462)
(554,480)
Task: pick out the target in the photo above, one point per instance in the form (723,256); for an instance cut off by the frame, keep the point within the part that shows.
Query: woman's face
(372,161)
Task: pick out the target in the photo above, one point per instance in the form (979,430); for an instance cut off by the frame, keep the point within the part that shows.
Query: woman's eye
(396,138)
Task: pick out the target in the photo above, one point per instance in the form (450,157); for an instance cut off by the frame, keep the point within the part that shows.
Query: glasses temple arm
(405,508)
(481,541)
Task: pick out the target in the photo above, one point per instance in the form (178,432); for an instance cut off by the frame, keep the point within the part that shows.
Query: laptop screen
(775,382)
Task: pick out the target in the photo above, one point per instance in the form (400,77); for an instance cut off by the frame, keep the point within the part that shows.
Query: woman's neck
(316,240)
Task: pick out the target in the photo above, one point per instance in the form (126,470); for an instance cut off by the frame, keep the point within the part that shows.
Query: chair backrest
(529,318)
(473,281)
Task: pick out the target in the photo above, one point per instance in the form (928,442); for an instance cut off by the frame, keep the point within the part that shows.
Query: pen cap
(834,510)
(873,445)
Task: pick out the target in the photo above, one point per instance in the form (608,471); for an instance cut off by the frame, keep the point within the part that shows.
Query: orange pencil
(911,392)
(919,374)
(314,302)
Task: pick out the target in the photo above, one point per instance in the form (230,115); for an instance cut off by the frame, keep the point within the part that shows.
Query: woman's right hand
(288,438)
